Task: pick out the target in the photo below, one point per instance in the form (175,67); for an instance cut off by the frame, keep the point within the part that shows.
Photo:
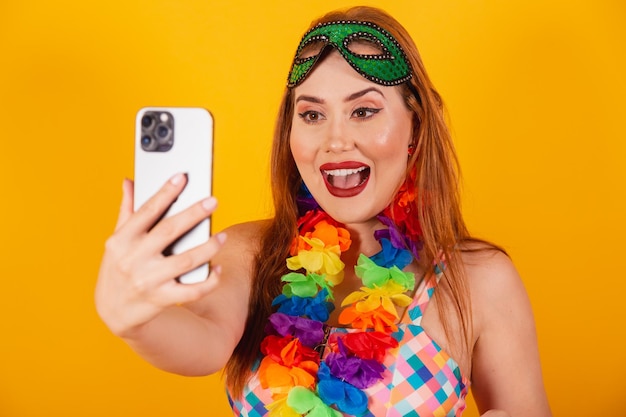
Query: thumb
(126,207)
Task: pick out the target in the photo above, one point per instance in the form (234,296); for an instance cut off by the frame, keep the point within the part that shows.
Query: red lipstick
(345,179)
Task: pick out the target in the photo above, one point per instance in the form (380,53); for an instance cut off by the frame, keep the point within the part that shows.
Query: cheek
(301,150)
(392,142)
(390,153)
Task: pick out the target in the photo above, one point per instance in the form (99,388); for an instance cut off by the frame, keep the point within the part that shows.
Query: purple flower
(310,332)
(305,200)
(362,373)
(396,237)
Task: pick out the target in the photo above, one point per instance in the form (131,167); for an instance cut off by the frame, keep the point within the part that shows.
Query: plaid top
(421,379)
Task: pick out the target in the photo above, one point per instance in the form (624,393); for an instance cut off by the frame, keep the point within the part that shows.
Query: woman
(322,310)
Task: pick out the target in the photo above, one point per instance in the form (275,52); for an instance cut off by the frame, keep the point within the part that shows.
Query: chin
(352,207)
(351,212)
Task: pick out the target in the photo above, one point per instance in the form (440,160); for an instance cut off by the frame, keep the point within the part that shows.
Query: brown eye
(310,116)
(364,112)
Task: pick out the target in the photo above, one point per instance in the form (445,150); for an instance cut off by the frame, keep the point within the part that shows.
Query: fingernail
(177,179)
(209,203)
(221,237)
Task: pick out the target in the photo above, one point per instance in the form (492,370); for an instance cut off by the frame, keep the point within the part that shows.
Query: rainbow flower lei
(292,368)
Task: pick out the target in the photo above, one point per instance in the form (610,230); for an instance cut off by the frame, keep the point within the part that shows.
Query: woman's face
(349,139)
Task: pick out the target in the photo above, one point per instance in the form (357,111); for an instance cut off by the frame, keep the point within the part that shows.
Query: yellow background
(535,92)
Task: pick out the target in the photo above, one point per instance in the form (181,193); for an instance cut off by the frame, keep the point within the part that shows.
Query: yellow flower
(369,299)
(320,259)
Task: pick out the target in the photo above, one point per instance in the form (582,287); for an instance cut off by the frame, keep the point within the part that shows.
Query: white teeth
(343,172)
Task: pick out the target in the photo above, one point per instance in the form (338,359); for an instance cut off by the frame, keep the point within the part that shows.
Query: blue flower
(315,308)
(391,256)
(348,398)
(396,236)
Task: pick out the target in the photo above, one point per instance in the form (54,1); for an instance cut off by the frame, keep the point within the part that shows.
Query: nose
(338,137)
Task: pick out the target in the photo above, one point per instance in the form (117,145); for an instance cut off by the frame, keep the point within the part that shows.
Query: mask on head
(387,67)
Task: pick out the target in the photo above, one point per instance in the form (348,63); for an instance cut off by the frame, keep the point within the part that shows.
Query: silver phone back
(191,153)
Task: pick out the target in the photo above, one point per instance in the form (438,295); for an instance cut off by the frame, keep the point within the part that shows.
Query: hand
(136,281)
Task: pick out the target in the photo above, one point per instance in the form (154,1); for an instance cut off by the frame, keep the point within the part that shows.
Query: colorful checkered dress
(421,379)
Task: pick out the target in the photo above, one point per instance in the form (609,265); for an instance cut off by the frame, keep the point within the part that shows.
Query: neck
(362,235)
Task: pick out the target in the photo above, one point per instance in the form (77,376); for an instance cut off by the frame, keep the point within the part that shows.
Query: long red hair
(438,208)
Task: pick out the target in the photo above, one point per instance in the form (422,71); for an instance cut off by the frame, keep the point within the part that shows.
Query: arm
(506,373)
(186,329)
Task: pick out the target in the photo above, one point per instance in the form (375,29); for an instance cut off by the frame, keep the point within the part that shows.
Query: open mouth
(345,179)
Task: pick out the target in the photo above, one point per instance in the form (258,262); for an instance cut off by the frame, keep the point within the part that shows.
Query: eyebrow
(351,97)
(361,93)
(312,99)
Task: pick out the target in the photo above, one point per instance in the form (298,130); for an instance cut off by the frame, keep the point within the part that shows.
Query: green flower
(374,276)
(306,285)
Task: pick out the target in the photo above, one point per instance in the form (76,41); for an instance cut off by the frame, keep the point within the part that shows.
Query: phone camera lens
(162,131)
(157,131)
(146,121)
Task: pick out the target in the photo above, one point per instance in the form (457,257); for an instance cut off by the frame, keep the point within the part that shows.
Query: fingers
(167,291)
(152,210)
(126,208)
(171,228)
(177,294)
(176,265)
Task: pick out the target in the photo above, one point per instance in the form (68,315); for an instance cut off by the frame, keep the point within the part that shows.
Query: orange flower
(287,364)
(379,319)
(333,237)
(280,379)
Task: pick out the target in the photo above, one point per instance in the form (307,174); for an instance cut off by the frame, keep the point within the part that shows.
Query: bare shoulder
(242,243)
(248,231)
(505,342)
(484,261)
(494,283)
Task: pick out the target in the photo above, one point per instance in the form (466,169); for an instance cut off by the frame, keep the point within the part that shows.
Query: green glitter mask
(389,67)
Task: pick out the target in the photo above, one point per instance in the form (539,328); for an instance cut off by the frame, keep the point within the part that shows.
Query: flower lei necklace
(301,382)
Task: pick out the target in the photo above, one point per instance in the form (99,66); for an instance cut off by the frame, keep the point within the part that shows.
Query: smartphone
(169,140)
